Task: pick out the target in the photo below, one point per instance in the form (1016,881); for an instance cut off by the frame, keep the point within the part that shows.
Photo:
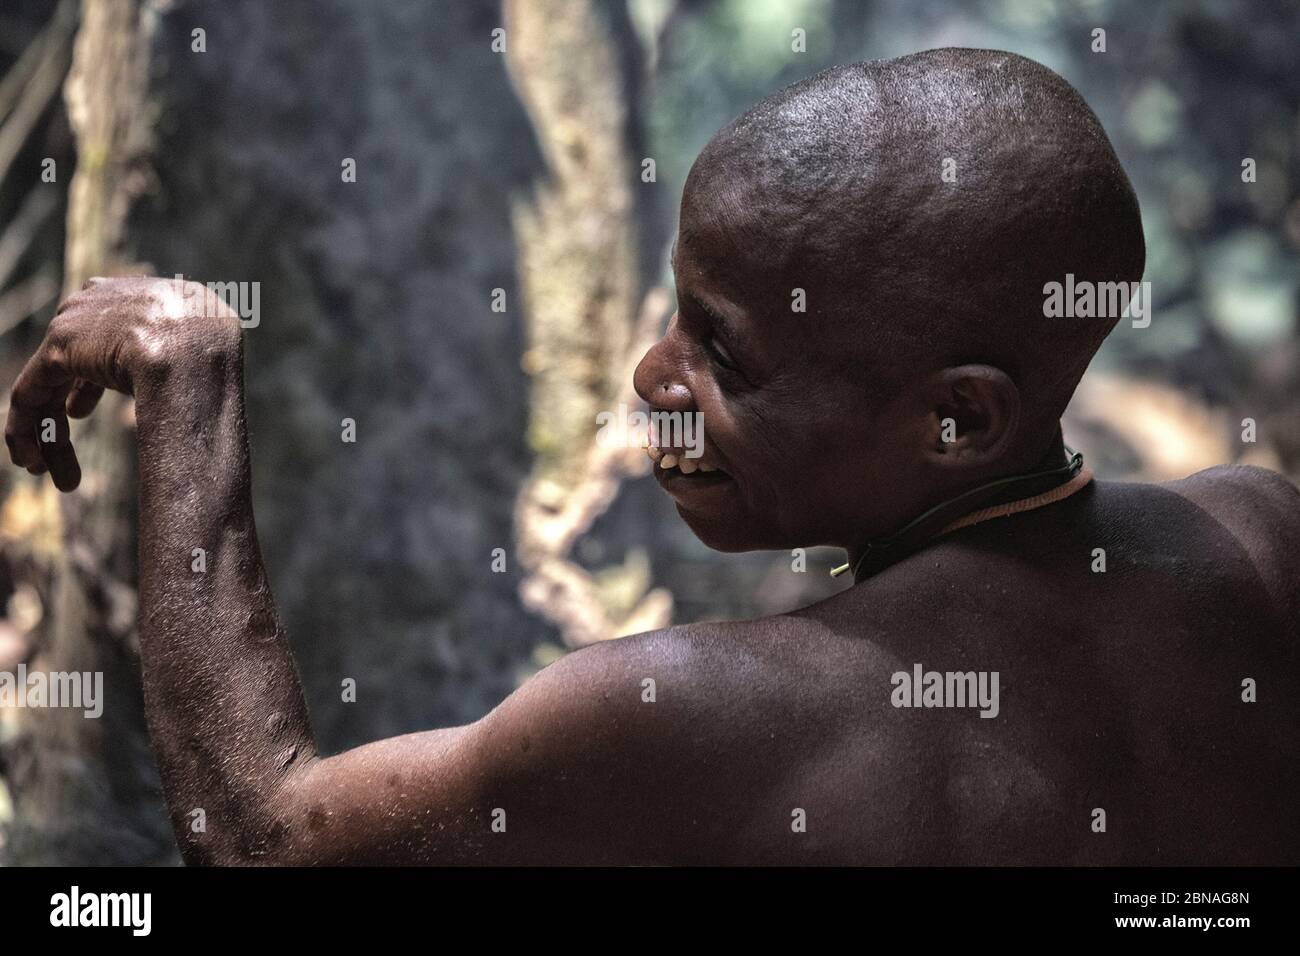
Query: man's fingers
(55,442)
(20,437)
(83,398)
(41,441)
(41,389)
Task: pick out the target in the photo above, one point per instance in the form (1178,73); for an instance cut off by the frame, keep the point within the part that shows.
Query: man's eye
(720,354)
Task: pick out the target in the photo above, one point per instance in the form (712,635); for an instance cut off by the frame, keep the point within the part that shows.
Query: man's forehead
(751,271)
(709,252)
(701,285)
(720,210)
(741,230)
(712,281)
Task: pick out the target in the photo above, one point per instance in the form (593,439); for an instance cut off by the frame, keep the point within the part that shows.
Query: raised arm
(545,777)
(225,710)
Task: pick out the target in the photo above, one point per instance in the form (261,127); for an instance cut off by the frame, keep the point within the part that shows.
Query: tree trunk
(84,790)
(580,262)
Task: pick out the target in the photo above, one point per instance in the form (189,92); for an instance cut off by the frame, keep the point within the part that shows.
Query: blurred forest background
(129,143)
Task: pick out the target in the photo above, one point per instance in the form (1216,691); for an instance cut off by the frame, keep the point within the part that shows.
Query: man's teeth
(668,460)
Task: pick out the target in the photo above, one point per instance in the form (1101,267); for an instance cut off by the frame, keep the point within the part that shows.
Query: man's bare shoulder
(718,731)
(1242,484)
(1261,509)
(694,662)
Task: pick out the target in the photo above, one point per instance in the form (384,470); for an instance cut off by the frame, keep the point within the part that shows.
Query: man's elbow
(257,828)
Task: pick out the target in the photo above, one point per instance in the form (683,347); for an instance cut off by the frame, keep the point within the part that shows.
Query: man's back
(1119,690)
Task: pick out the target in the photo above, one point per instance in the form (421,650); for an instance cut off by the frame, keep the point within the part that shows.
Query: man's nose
(658,379)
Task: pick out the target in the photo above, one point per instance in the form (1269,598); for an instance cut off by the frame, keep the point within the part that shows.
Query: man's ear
(972,416)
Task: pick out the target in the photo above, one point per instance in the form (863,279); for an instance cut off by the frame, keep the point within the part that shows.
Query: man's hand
(111,334)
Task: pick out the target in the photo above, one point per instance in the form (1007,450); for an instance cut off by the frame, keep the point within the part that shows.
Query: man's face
(802,454)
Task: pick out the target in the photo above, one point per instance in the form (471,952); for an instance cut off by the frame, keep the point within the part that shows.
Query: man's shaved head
(923,293)
(838,179)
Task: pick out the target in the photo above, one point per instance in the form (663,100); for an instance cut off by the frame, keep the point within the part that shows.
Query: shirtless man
(922,371)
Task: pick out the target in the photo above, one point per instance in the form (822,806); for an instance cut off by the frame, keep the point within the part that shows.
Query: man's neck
(868,558)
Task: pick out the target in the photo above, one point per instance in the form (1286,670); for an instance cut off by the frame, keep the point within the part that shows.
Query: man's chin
(725,533)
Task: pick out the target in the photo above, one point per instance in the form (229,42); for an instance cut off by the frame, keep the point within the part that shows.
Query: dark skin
(1119,690)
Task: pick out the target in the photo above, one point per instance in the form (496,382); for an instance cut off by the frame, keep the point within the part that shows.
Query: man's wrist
(205,356)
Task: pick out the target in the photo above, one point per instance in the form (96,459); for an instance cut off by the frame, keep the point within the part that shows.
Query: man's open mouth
(674,468)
